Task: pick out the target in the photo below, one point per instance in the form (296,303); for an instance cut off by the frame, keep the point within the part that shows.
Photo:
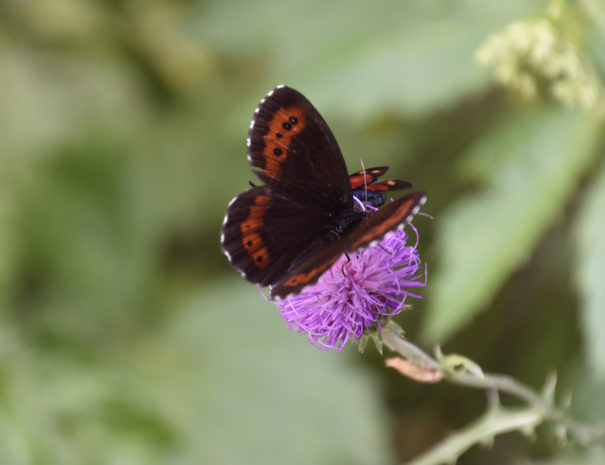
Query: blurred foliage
(184,395)
(496,231)
(126,338)
(590,270)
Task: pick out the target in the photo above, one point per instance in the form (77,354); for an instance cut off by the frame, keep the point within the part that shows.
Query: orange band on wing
(381,186)
(387,224)
(251,239)
(365,177)
(285,124)
(304,278)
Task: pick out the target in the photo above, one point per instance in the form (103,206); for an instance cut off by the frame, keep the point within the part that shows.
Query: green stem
(503,383)
(495,421)
(459,370)
(408,350)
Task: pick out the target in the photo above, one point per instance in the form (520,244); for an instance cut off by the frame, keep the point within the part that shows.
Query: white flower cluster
(532,53)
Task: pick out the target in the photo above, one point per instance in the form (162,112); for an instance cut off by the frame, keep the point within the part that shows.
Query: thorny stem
(503,383)
(493,422)
(459,370)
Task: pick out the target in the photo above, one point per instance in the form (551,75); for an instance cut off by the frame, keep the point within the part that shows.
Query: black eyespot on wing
(264,232)
(296,152)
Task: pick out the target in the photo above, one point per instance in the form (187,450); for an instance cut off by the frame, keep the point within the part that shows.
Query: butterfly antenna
(365,180)
(385,250)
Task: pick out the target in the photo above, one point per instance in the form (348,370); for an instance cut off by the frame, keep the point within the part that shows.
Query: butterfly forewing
(297,153)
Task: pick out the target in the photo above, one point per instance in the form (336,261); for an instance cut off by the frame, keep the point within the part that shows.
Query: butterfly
(286,233)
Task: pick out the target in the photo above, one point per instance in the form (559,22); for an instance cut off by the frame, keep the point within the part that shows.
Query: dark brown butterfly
(310,212)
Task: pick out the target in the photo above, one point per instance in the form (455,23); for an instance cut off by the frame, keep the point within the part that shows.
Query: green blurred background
(125,336)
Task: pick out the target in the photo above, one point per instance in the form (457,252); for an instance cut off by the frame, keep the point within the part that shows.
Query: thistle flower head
(357,293)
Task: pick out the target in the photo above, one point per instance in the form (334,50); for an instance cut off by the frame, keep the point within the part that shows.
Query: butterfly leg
(343,265)
(382,247)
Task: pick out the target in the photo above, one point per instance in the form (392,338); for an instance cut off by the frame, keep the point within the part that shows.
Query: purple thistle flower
(353,296)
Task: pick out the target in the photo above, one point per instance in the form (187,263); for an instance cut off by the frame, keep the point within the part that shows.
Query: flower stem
(457,369)
(495,421)
(408,350)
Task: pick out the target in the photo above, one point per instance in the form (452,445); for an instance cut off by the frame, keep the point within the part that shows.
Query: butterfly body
(370,198)
(289,231)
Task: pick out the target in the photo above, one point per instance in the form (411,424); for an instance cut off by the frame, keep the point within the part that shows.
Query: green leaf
(590,273)
(531,164)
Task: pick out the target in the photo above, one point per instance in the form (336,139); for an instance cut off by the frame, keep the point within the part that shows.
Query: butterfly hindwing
(368,180)
(368,176)
(388,185)
(264,232)
(368,190)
